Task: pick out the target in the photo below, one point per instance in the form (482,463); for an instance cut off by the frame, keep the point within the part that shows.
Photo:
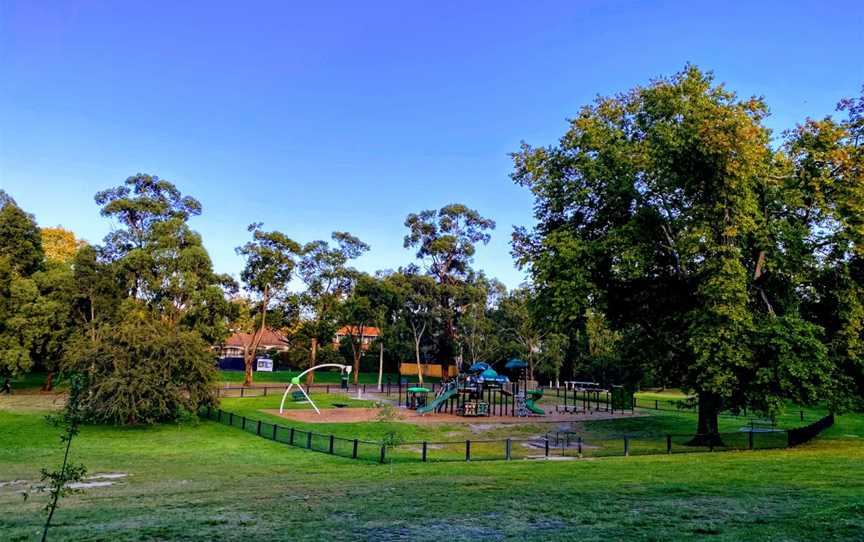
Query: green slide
(533,396)
(443,396)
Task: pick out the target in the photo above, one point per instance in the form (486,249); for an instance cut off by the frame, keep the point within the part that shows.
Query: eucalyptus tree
(271,258)
(543,349)
(357,313)
(479,335)
(160,259)
(418,298)
(328,279)
(446,241)
(656,208)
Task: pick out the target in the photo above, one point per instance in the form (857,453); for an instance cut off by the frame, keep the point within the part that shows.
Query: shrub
(144,370)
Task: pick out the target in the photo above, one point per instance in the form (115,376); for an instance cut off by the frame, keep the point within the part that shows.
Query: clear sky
(318,116)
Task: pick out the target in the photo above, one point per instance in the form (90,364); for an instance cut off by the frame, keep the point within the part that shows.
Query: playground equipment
(481,391)
(417,397)
(295,381)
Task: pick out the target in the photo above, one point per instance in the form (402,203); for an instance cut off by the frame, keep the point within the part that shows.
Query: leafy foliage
(144,370)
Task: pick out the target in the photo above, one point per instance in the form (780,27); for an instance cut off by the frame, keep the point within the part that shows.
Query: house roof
(368,331)
(270,338)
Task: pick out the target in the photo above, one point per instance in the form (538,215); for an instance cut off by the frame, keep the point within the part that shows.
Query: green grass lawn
(212,482)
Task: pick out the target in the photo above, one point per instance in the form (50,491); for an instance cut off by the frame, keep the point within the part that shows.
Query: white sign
(265,365)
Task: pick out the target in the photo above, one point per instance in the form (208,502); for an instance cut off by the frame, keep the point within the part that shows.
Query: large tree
(824,188)
(417,307)
(657,208)
(270,261)
(446,241)
(160,259)
(328,278)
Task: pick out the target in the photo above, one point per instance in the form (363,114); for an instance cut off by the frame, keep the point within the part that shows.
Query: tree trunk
(380,364)
(417,359)
(49,382)
(358,353)
(707,429)
(313,355)
(249,354)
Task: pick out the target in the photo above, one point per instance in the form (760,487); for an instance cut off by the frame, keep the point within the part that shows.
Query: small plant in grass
(57,483)
(389,414)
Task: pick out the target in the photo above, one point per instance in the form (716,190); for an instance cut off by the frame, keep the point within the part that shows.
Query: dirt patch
(331,415)
(477,425)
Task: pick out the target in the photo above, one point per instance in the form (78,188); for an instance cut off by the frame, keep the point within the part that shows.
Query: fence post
(258,430)
(291,437)
(243,423)
(467,450)
(626,446)
(383,448)
(508,450)
(331,444)
(274,431)
(241,391)
(579,442)
(309,440)
(750,440)
(265,391)
(423,452)
(354,450)
(547,447)
(230,418)
(668,444)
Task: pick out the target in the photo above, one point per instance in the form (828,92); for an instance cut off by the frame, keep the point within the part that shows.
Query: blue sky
(321,116)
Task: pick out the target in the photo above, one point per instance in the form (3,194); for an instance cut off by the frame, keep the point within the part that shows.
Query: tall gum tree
(329,279)
(446,241)
(271,258)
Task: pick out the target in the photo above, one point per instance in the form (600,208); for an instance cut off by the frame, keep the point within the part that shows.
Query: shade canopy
(478,367)
(418,389)
(516,364)
(489,373)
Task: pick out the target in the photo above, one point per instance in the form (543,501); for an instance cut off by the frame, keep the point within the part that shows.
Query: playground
(480,396)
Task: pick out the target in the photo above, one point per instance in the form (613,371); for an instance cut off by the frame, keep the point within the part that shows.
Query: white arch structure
(296,382)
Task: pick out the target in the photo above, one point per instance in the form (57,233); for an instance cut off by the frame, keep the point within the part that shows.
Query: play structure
(295,381)
(481,391)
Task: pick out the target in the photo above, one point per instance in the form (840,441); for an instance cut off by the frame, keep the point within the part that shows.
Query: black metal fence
(551,445)
(319,442)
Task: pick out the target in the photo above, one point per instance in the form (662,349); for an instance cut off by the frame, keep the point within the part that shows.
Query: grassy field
(212,482)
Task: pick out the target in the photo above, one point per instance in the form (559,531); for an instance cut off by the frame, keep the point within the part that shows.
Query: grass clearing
(212,482)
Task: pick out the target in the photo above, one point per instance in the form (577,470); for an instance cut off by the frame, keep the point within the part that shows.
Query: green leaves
(666,209)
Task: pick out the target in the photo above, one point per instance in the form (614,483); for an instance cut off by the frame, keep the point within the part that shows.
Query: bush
(144,370)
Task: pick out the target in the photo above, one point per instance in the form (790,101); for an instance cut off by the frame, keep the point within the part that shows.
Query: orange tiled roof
(368,331)
(270,337)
